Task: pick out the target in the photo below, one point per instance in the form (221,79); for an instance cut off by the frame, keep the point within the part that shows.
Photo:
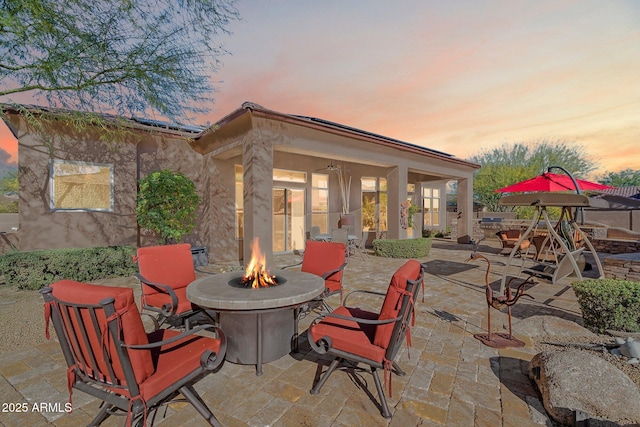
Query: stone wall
(478,232)
(616,246)
(623,266)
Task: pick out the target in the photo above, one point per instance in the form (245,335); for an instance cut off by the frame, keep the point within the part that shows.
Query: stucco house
(260,173)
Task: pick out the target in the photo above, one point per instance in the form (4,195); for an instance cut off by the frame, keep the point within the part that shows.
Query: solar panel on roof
(168,125)
(363,132)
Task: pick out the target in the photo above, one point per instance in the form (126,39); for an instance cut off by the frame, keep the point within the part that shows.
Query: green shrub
(37,269)
(167,205)
(402,248)
(609,304)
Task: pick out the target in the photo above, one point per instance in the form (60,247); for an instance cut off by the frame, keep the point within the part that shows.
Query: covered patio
(452,379)
(293,172)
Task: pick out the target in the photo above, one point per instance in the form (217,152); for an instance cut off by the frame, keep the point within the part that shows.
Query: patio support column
(396,194)
(257,163)
(465,210)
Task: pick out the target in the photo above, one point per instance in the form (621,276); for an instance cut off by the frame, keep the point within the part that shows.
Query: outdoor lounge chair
(341,235)
(110,356)
(509,238)
(354,336)
(327,260)
(164,273)
(359,244)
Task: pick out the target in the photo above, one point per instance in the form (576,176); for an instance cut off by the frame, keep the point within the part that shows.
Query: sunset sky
(456,76)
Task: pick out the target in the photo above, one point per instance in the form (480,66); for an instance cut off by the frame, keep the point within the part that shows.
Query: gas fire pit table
(260,324)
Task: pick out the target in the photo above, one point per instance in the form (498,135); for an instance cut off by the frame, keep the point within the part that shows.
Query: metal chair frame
(122,397)
(359,245)
(326,275)
(346,359)
(167,313)
(341,235)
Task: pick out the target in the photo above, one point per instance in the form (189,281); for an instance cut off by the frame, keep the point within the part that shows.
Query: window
(431,207)
(320,201)
(374,204)
(81,186)
(289,176)
(382,208)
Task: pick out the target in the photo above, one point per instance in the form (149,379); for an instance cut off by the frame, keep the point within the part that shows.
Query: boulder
(550,325)
(572,380)
(630,348)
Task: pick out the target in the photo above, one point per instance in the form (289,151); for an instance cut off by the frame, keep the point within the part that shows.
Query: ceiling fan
(330,167)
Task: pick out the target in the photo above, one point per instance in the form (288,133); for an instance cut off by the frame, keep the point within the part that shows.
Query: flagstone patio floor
(452,379)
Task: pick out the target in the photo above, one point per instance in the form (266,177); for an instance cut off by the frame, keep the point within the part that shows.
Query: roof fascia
(128,122)
(274,115)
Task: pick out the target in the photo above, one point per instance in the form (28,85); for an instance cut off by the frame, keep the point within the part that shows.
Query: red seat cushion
(322,257)
(350,336)
(333,285)
(392,302)
(158,300)
(133,331)
(170,265)
(175,361)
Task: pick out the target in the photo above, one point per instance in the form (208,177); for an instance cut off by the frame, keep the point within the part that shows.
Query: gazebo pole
(575,183)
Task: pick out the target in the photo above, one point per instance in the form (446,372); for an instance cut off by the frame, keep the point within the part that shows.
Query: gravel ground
(21,319)
(22,315)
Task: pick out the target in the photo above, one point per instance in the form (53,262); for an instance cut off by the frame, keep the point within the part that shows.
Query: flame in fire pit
(256,272)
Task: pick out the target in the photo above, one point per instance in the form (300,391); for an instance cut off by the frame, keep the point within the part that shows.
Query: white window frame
(52,185)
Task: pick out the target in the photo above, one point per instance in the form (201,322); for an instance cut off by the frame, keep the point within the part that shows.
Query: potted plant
(346,218)
(167,206)
(407,211)
(411,211)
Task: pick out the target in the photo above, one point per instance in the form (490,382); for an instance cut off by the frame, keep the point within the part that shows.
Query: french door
(288,219)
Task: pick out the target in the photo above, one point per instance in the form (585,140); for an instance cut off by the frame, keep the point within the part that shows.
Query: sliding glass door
(288,219)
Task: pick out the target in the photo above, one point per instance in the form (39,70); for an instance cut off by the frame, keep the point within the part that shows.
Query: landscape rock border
(574,371)
(573,380)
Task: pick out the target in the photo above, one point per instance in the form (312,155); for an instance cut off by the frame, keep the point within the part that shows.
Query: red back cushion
(321,257)
(170,265)
(393,300)
(131,324)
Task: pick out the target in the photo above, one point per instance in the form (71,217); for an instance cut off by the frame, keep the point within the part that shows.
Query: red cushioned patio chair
(327,260)
(110,356)
(354,336)
(164,273)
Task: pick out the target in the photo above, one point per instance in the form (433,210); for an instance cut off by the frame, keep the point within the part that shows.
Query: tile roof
(632,191)
(301,119)
(136,122)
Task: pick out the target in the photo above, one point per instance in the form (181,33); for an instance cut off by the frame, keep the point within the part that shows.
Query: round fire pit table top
(216,292)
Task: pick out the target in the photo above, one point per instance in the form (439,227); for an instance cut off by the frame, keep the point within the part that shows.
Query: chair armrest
(361,291)
(324,344)
(174,338)
(356,319)
(166,310)
(330,273)
(209,360)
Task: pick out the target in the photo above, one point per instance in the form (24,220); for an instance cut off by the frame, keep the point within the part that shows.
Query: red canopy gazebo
(548,182)
(551,182)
